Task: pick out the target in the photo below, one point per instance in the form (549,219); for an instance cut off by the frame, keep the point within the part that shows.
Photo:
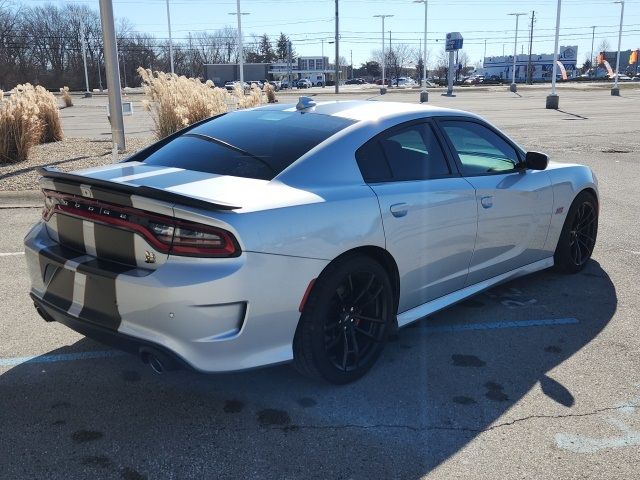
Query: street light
(383,85)
(615,91)
(513,86)
(170,39)
(424,96)
(553,101)
(241,53)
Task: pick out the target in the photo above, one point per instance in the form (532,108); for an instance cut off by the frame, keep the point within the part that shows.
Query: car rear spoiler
(109,188)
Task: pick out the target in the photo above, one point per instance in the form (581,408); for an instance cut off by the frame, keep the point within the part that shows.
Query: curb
(21,199)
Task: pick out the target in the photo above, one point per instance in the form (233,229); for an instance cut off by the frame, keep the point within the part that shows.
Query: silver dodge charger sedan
(303,232)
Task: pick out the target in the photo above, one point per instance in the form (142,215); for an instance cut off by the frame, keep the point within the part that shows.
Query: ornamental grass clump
(177,102)
(270,92)
(247,100)
(66,97)
(29,116)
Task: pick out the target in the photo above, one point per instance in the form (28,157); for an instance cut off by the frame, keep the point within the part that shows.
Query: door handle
(399,209)
(486,202)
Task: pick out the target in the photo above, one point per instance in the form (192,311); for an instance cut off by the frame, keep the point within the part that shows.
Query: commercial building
(315,69)
(541,65)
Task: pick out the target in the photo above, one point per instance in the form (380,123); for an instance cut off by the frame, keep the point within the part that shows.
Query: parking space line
(498,325)
(10,254)
(59,357)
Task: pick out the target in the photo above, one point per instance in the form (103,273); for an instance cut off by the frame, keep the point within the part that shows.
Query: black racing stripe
(100,302)
(59,255)
(115,244)
(70,232)
(59,292)
(111,197)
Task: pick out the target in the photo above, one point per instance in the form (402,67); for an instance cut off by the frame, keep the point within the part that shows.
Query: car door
(428,211)
(514,204)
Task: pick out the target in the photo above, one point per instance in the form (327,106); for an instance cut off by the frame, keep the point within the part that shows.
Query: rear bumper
(215,315)
(117,340)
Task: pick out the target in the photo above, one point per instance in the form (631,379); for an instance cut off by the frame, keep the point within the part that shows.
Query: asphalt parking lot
(538,378)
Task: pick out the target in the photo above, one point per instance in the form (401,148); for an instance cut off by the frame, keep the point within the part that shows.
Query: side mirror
(536,161)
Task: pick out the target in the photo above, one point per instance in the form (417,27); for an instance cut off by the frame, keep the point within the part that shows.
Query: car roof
(366,110)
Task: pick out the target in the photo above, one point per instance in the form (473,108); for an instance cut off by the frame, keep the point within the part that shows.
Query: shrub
(270,92)
(176,102)
(66,97)
(21,125)
(28,117)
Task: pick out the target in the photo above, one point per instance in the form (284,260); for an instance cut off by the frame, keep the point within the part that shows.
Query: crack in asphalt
(452,428)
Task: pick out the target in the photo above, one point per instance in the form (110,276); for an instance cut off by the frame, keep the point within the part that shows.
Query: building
(221,73)
(315,69)
(541,65)
(628,64)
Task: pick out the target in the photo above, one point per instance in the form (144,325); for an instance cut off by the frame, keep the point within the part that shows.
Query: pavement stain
(553,349)
(60,405)
(129,473)
(59,422)
(84,436)
(495,392)
(233,406)
(467,361)
(307,402)
(270,416)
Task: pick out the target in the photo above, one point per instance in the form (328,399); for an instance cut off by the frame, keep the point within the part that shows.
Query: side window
(412,153)
(480,150)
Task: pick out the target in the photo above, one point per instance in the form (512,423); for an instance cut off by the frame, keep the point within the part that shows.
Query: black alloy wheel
(345,321)
(578,237)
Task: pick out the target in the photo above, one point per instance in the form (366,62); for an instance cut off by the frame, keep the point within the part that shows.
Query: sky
(309,22)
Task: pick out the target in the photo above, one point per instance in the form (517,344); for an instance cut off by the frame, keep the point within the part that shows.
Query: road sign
(453,41)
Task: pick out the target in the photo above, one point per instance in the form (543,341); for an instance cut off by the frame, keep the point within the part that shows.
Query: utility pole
(113,76)
(100,70)
(84,59)
(615,91)
(289,60)
(324,66)
(593,37)
(553,101)
(124,69)
(529,66)
(337,51)
(513,86)
(170,39)
(240,47)
(351,52)
(383,86)
(191,56)
(423,95)
(485,51)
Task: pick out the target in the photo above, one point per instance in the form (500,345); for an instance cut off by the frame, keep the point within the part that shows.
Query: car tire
(578,236)
(350,308)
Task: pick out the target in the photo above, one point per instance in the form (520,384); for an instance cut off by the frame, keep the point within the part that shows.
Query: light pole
(513,87)
(553,101)
(593,37)
(239,14)
(112,74)
(424,96)
(615,91)
(324,66)
(337,40)
(170,39)
(84,59)
(383,86)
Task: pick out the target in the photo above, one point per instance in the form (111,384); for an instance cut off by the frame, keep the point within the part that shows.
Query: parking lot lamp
(615,91)
(513,86)
(424,96)
(170,39)
(383,86)
(553,101)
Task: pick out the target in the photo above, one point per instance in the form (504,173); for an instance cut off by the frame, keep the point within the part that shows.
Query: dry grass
(66,97)
(176,102)
(29,116)
(270,92)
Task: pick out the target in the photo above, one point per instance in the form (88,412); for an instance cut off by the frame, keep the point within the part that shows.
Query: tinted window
(480,149)
(271,140)
(412,153)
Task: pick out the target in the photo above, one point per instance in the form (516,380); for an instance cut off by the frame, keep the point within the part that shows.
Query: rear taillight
(165,234)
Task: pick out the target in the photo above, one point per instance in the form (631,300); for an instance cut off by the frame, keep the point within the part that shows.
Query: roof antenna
(304,103)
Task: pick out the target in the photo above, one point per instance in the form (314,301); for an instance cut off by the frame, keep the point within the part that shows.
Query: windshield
(253,144)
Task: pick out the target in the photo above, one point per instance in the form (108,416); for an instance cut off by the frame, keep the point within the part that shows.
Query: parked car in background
(231,85)
(355,81)
(474,80)
(277,84)
(304,83)
(304,233)
(258,83)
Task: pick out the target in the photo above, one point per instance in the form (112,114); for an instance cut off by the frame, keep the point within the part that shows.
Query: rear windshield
(251,143)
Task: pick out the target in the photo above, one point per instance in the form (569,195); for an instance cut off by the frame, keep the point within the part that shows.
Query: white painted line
(59,357)
(11,254)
